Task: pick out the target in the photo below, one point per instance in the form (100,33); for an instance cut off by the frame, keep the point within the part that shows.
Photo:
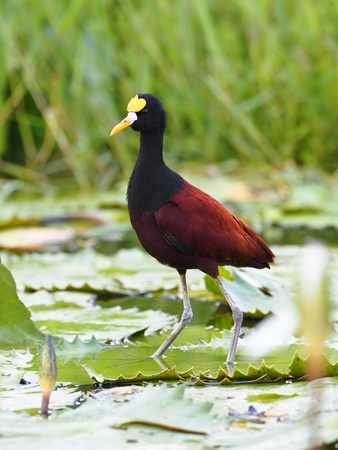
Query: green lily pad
(32,210)
(190,417)
(162,370)
(69,314)
(90,271)
(77,349)
(256,292)
(33,238)
(13,366)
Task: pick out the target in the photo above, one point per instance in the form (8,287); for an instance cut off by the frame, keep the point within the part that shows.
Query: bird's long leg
(237,316)
(185,319)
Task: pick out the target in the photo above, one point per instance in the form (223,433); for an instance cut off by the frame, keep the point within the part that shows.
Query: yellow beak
(121,126)
(129,120)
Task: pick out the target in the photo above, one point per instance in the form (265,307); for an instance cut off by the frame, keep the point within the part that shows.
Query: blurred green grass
(251,82)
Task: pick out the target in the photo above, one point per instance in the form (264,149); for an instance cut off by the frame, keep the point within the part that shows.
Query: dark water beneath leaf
(277,235)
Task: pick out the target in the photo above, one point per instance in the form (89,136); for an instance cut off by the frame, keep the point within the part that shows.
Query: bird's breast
(150,188)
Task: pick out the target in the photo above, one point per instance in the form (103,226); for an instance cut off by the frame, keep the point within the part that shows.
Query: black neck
(152,183)
(151,149)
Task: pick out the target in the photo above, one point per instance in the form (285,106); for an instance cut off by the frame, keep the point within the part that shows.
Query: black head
(151,116)
(145,114)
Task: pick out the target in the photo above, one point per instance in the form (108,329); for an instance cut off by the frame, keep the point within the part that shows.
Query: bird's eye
(144,111)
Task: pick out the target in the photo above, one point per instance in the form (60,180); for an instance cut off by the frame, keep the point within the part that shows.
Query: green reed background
(254,82)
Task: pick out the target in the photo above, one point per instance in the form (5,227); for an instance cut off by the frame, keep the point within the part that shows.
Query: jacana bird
(180,225)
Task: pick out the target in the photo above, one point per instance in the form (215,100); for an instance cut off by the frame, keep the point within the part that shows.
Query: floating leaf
(153,410)
(34,238)
(13,367)
(269,397)
(78,350)
(91,271)
(27,211)
(256,292)
(104,418)
(97,377)
(82,271)
(114,323)
(158,407)
(296,369)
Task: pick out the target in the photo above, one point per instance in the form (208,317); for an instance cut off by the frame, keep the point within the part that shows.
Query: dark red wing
(194,222)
